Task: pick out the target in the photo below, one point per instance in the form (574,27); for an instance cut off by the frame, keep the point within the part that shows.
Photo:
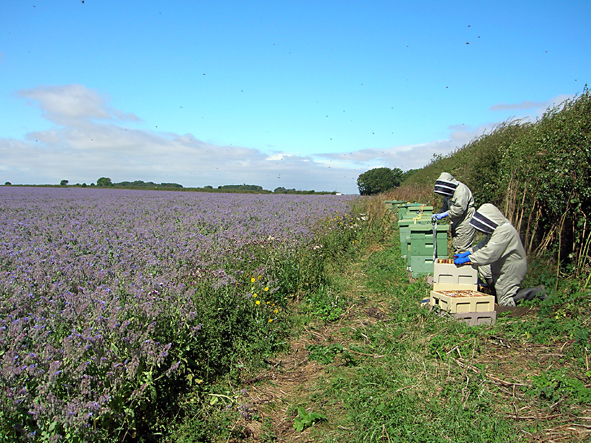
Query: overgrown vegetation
(538,174)
(389,370)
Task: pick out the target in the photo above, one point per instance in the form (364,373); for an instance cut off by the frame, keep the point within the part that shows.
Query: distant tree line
(282,190)
(241,187)
(106,182)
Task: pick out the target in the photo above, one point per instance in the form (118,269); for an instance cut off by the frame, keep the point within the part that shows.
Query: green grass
(393,371)
(420,377)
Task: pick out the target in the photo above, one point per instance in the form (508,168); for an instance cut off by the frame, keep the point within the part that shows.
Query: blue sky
(304,95)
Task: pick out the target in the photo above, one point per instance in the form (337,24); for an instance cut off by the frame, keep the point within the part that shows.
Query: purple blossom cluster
(87,277)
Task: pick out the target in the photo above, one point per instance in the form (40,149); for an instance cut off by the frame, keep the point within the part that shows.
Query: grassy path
(297,378)
(388,370)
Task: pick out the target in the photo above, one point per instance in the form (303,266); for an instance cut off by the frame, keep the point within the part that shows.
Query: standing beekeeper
(503,251)
(458,205)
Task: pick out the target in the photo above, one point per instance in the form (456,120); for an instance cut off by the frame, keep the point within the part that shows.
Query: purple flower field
(91,278)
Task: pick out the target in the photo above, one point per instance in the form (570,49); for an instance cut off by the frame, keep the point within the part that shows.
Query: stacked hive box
(412,210)
(416,237)
(420,248)
(455,289)
(419,214)
(393,204)
(404,229)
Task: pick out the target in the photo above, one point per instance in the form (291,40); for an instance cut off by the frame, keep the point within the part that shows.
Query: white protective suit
(502,250)
(459,204)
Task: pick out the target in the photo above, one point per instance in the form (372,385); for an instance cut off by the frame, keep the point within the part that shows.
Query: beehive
(420,241)
(414,211)
(449,276)
(404,230)
(420,265)
(404,207)
(462,301)
(393,204)
(417,247)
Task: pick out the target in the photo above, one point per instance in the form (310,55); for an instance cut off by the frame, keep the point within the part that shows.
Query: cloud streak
(537,108)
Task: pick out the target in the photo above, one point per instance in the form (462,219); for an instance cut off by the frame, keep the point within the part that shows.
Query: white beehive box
(448,276)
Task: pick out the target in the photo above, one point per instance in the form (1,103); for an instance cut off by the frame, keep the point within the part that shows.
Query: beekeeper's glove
(461,260)
(462,255)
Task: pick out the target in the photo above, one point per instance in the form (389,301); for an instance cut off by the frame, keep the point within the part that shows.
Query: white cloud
(409,156)
(90,141)
(522,105)
(62,103)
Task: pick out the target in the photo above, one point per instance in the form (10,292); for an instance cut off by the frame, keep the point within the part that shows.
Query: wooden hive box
(462,301)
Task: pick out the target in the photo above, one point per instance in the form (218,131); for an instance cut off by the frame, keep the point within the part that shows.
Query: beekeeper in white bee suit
(458,204)
(503,251)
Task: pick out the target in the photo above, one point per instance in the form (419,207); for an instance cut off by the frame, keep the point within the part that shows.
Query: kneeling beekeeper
(503,251)
(458,204)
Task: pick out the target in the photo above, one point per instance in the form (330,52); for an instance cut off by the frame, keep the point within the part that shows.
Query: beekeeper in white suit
(458,205)
(503,251)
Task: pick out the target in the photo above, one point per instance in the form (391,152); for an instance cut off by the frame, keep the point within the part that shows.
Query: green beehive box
(393,204)
(404,228)
(413,211)
(421,265)
(425,247)
(403,209)
(418,240)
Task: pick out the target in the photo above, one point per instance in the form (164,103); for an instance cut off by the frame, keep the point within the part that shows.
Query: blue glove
(441,215)
(463,254)
(461,260)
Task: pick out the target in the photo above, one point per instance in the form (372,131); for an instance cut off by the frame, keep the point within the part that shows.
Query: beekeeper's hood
(488,218)
(446,185)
